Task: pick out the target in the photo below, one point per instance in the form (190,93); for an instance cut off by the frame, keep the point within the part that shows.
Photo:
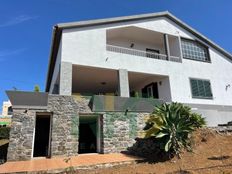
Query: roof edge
(110,20)
(55,42)
(199,35)
(141,17)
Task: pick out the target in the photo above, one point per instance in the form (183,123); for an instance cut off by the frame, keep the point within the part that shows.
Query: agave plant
(171,124)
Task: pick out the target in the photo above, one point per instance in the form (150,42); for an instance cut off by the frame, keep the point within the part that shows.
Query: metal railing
(174,59)
(141,53)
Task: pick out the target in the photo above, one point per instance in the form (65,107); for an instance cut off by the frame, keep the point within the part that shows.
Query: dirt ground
(212,154)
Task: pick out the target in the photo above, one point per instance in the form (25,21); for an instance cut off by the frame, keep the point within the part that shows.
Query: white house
(150,55)
(109,74)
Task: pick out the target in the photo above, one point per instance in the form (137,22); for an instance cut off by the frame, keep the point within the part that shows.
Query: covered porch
(90,81)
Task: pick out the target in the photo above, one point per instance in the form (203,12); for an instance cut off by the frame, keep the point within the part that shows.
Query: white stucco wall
(164,90)
(87,46)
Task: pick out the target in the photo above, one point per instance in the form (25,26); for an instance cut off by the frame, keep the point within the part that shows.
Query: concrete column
(123,85)
(166,41)
(65,87)
(181,54)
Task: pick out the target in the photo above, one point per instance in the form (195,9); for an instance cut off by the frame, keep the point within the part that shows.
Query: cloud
(17,20)
(6,53)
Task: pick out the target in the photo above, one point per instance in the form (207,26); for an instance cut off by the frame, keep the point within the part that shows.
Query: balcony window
(201,88)
(194,50)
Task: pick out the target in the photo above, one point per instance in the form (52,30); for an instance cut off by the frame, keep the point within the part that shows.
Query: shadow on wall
(149,149)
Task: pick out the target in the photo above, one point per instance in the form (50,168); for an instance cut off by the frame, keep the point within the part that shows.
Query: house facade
(154,55)
(104,78)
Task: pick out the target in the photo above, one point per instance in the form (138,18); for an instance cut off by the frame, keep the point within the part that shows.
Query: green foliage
(171,124)
(4,132)
(36,88)
(136,94)
(197,120)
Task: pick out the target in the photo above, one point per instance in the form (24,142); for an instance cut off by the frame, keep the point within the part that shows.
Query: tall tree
(36,88)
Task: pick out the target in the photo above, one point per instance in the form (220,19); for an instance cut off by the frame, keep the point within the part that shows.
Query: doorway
(151,91)
(42,136)
(89,134)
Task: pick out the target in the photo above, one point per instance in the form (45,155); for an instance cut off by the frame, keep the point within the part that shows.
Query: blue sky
(26,25)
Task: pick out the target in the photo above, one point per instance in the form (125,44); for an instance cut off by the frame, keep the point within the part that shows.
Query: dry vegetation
(212,153)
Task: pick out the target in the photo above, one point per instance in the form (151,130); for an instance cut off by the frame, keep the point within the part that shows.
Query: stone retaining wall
(21,135)
(64,111)
(119,129)
(64,125)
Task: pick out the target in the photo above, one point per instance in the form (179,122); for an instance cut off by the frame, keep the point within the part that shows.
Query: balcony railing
(141,53)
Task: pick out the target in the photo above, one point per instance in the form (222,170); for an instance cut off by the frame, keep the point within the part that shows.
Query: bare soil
(212,154)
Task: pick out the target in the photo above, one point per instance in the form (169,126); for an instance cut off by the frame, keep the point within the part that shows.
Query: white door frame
(150,87)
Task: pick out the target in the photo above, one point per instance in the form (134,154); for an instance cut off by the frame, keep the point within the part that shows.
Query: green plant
(36,88)
(171,124)
(197,120)
(136,94)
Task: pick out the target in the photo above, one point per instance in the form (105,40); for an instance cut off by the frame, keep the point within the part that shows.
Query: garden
(176,140)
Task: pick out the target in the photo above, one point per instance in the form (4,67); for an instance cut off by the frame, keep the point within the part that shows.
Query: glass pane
(208,92)
(194,87)
(201,88)
(193,50)
(150,91)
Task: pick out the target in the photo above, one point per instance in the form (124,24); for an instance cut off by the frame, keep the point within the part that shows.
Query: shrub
(4,132)
(171,125)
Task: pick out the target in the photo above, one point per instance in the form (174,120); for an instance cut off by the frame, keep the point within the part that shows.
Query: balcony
(104,103)
(141,53)
(142,42)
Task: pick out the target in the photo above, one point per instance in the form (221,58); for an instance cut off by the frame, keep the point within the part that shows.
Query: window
(10,111)
(194,50)
(149,91)
(201,88)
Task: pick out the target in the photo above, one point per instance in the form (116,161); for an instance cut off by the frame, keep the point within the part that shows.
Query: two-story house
(104,77)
